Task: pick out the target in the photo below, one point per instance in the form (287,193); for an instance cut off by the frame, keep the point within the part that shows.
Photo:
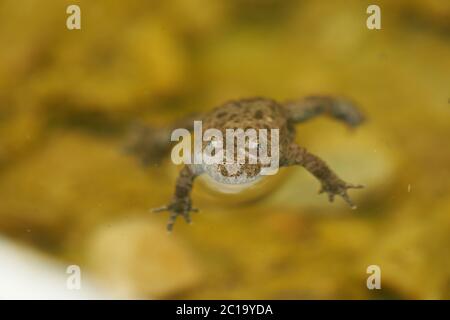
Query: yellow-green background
(67,98)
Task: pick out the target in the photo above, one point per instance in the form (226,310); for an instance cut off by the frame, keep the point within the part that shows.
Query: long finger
(348,200)
(354,186)
(160,209)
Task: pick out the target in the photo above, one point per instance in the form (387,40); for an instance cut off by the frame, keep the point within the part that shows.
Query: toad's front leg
(331,183)
(181,203)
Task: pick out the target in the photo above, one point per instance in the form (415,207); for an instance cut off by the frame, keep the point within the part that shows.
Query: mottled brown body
(254,113)
(262,113)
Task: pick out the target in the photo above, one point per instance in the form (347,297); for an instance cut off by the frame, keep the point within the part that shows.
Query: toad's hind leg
(331,183)
(152,144)
(336,107)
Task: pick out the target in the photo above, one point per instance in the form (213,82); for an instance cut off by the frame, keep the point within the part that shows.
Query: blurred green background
(68,97)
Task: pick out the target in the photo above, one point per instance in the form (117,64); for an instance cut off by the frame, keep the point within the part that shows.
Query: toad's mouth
(233,174)
(227,185)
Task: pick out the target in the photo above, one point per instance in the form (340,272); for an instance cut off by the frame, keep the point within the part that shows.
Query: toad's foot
(176,208)
(339,187)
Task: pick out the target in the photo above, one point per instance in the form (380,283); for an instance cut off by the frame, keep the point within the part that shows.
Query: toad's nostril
(223,171)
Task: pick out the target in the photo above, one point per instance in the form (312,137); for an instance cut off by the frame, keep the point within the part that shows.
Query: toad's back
(254,113)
